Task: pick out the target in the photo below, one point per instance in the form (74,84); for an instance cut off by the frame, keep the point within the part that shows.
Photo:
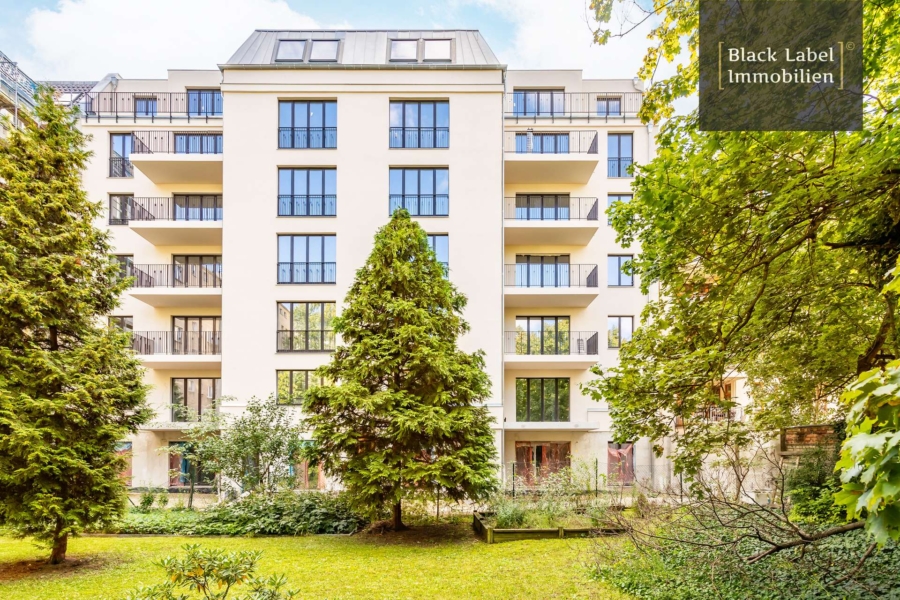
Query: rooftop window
(404,50)
(324,50)
(437,50)
(291,50)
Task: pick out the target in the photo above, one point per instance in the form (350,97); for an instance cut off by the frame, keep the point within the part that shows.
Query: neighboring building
(243,200)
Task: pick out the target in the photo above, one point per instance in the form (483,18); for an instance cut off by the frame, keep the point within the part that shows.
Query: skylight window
(292,50)
(325,50)
(404,50)
(437,50)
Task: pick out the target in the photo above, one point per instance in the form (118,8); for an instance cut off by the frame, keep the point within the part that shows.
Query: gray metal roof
(364,49)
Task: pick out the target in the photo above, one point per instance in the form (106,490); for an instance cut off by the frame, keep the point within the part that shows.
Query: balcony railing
(308,340)
(177,142)
(151,105)
(421,205)
(544,343)
(558,142)
(420,137)
(120,167)
(601,106)
(123,209)
(307,138)
(307,272)
(177,342)
(169,275)
(714,414)
(618,167)
(188,414)
(550,276)
(307,205)
(550,208)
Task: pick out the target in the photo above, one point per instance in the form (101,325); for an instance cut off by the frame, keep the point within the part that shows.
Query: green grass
(443,561)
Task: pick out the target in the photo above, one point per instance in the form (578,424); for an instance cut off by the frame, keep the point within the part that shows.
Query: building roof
(71,87)
(364,49)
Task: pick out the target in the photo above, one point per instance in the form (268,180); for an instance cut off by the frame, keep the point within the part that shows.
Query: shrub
(811,487)
(509,513)
(147,499)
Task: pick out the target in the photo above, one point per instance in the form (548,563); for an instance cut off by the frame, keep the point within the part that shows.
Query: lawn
(443,561)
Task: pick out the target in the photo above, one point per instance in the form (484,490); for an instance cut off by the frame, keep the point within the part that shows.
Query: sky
(86,39)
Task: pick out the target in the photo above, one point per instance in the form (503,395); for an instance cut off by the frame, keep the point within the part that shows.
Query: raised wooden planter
(493,535)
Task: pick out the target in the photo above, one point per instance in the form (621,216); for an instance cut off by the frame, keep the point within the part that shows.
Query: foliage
(811,487)
(70,390)
(147,500)
(404,419)
(213,575)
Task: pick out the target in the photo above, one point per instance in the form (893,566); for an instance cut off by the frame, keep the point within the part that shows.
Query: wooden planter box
(492,535)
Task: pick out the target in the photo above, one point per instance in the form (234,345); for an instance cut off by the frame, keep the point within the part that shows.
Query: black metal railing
(169,275)
(546,142)
(550,275)
(123,209)
(151,105)
(120,167)
(307,137)
(618,167)
(177,342)
(186,414)
(551,342)
(307,340)
(713,414)
(421,205)
(177,142)
(307,272)
(550,208)
(602,106)
(419,137)
(307,205)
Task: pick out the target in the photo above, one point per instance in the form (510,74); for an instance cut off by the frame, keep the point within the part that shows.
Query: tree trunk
(191,489)
(60,544)
(396,520)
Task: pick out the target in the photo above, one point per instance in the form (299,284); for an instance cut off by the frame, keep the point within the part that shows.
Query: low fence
(593,477)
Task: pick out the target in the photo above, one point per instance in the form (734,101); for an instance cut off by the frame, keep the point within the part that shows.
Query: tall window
(542,143)
(120,146)
(198,143)
(204,103)
(423,192)
(193,396)
(541,335)
(619,153)
(615,271)
(120,209)
(196,208)
(613,198)
(305,326)
(541,103)
(196,335)
(123,323)
(440,243)
(307,124)
(307,258)
(126,264)
(194,270)
(145,107)
(307,192)
(619,330)
(544,207)
(420,125)
(620,463)
(542,271)
(291,385)
(609,106)
(542,399)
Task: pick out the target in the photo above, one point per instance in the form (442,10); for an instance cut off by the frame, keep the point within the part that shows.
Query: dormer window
(404,50)
(291,50)
(437,51)
(324,50)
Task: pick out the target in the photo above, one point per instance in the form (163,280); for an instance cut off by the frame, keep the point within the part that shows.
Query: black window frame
(295,398)
(208,272)
(432,243)
(312,47)
(610,198)
(287,203)
(621,259)
(287,135)
(286,338)
(306,47)
(210,98)
(561,343)
(120,166)
(605,100)
(328,269)
(404,137)
(121,322)
(521,98)
(440,203)
(618,164)
(618,320)
(527,411)
(182,409)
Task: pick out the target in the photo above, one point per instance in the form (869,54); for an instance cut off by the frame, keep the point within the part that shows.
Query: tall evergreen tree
(69,388)
(403,418)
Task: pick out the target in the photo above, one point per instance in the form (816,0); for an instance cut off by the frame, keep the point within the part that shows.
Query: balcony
(183,220)
(550,157)
(168,285)
(307,138)
(178,349)
(550,219)
(153,106)
(307,272)
(421,205)
(550,285)
(307,340)
(550,349)
(307,205)
(548,106)
(178,156)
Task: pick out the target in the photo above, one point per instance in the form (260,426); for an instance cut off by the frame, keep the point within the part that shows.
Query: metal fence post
(596,477)
(514,479)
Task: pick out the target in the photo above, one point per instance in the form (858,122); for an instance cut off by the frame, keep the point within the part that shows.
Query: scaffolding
(17,91)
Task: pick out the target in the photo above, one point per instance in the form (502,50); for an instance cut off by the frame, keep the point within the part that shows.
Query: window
(291,50)
(145,107)
(120,146)
(436,51)
(324,50)
(183,471)
(615,274)
(291,385)
(404,50)
(204,103)
(123,449)
(440,244)
(420,125)
(537,459)
(620,463)
(619,147)
(540,103)
(307,192)
(196,208)
(543,207)
(542,399)
(196,335)
(615,198)
(126,264)
(542,143)
(619,330)
(306,258)
(120,209)
(307,476)
(123,323)
(193,396)
(609,106)
(307,124)
(305,326)
(540,335)
(423,192)
(542,271)
(189,270)
(198,143)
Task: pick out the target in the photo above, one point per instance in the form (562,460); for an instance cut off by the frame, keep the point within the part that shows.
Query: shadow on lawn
(422,535)
(27,569)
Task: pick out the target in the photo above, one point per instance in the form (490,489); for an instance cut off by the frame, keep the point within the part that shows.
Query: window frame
(312,48)
(404,130)
(120,166)
(521,96)
(294,399)
(217,393)
(328,207)
(214,100)
(304,54)
(328,133)
(618,320)
(621,168)
(619,273)
(527,412)
(561,342)
(415,59)
(432,243)
(327,341)
(436,198)
(610,198)
(327,276)
(605,99)
(449,58)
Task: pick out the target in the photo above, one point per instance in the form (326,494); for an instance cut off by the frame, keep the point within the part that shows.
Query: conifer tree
(69,388)
(404,418)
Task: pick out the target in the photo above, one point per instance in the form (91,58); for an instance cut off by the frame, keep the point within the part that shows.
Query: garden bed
(481,523)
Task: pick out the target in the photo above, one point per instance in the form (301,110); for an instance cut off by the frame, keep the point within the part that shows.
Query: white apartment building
(244,199)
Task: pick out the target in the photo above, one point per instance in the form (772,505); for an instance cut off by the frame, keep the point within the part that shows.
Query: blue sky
(86,39)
